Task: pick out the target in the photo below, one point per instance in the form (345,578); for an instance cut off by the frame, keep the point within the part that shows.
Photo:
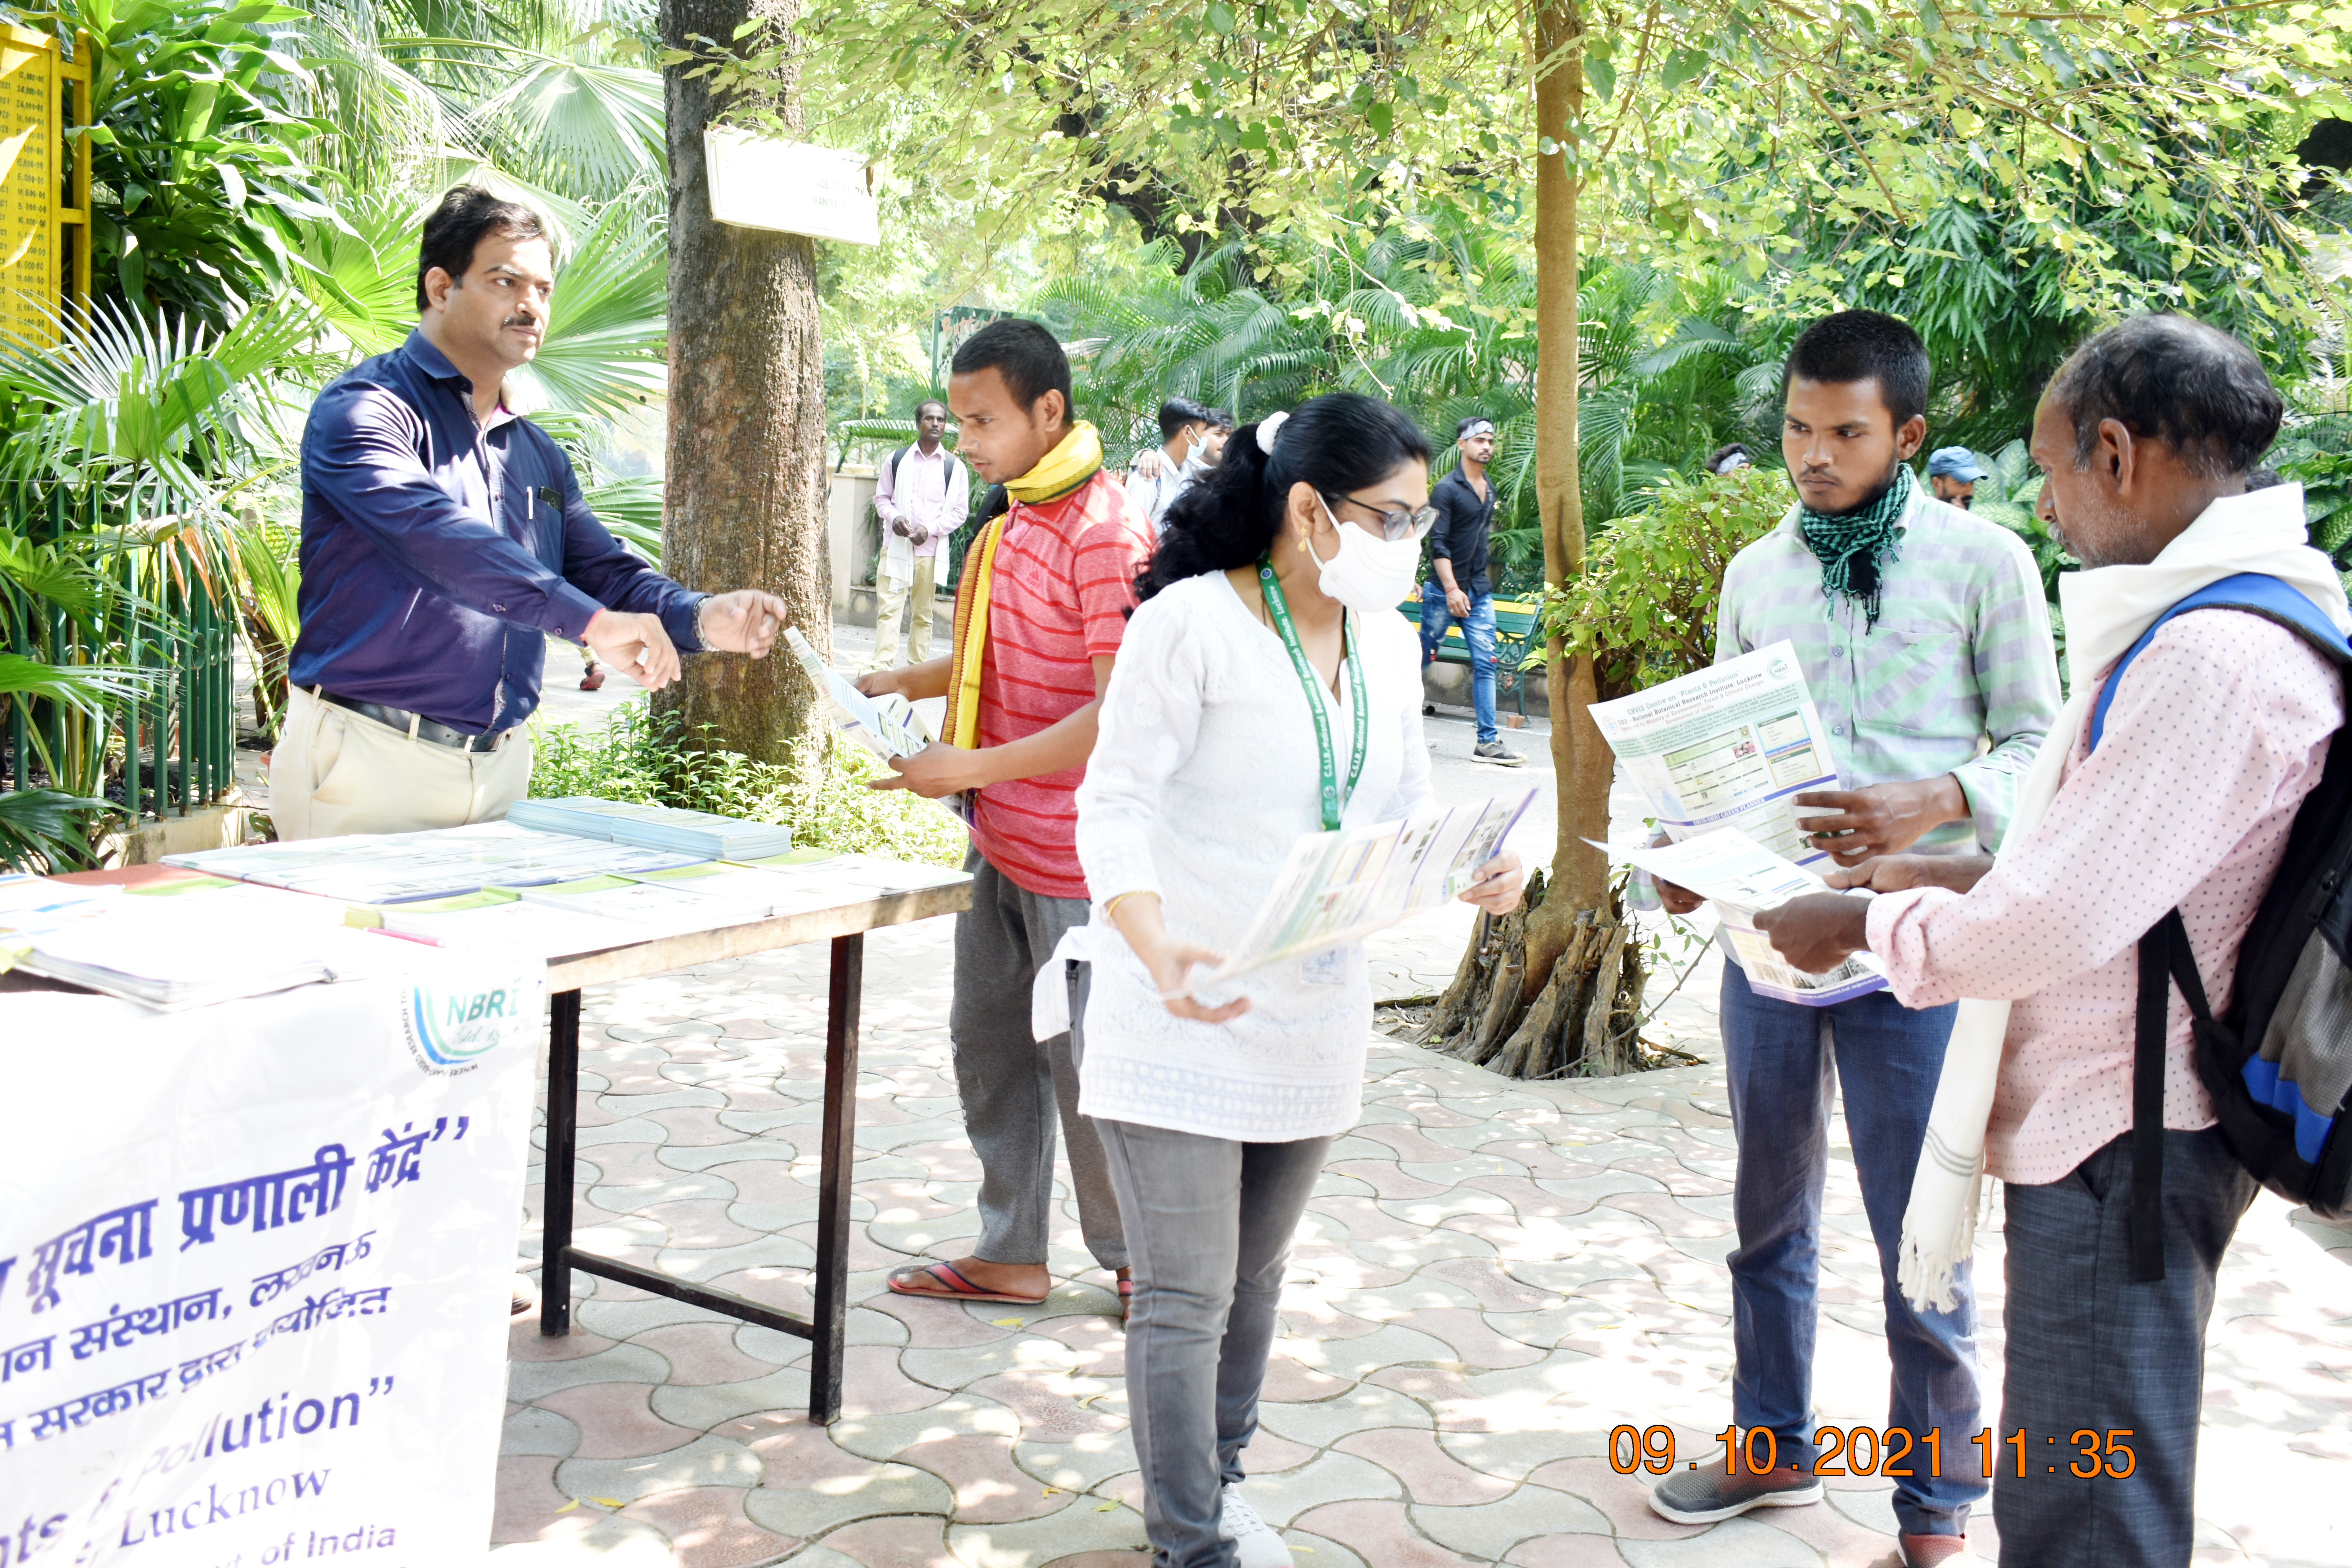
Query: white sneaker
(1256,1545)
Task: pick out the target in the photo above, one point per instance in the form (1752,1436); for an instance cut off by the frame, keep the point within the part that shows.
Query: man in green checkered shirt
(1924,641)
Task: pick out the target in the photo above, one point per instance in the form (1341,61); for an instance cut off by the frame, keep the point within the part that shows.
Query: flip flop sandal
(958,1287)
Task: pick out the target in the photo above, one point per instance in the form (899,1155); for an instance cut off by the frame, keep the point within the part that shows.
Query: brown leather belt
(415,726)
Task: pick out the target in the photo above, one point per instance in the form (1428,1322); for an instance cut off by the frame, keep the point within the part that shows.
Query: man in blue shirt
(443,541)
(1458,588)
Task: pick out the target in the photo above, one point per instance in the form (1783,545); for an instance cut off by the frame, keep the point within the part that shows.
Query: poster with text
(255,1268)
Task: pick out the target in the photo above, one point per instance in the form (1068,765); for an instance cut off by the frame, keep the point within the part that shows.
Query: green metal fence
(165,608)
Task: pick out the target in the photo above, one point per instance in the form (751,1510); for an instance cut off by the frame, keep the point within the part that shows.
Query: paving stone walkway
(1492,1277)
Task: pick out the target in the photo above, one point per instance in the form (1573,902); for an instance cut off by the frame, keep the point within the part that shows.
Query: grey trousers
(1211,1222)
(2092,1353)
(1014,1089)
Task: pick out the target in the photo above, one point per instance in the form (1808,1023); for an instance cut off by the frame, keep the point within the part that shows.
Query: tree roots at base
(1583,1022)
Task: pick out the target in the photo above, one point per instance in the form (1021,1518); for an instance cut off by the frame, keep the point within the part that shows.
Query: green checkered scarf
(1851,545)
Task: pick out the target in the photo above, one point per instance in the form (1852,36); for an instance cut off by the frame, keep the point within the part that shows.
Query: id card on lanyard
(1333,797)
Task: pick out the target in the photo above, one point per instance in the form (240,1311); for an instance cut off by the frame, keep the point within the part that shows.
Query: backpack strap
(2165,957)
(2165,960)
(2253,592)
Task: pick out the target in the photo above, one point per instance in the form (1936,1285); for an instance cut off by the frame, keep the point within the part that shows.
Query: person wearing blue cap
(1952,473)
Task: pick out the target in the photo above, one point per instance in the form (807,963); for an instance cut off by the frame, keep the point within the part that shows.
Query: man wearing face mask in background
(1458,589)
(1041,608)
(1194,445)
(1925,643)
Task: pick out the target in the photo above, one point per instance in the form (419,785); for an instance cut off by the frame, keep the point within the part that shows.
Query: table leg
(829,1327)
(562,1128)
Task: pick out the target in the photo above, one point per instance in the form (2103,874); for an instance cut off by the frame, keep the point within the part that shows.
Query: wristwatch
(701,606)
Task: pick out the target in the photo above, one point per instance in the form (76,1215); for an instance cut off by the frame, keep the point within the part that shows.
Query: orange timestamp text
(1893,1451)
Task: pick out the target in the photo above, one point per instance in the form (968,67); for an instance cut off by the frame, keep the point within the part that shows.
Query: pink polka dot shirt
(2218,730)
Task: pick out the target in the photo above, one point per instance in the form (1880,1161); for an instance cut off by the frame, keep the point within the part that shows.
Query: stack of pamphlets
(705,834)
(31,907)
(176,948)
(1742,878)
(852,879)
(394,868)
(653,908)
(495,919)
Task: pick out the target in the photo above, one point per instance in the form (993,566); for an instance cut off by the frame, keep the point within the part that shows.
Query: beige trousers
(337,771)
(890,598)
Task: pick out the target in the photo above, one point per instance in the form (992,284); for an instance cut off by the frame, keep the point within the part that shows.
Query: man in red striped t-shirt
(1060,582)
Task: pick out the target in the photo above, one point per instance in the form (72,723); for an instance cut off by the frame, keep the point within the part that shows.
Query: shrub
(1644,608)
(639,756)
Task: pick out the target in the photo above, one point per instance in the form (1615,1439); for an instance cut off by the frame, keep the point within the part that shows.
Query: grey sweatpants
(1012,1087)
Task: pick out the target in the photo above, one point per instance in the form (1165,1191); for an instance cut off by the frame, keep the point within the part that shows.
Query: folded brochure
(1741,878)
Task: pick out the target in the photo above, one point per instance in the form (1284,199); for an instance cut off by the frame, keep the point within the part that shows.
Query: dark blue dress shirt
(437,557)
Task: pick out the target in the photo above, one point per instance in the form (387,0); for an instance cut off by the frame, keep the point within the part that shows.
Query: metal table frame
(846,928)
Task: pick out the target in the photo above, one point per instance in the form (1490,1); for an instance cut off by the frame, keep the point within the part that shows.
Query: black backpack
(2278,1066)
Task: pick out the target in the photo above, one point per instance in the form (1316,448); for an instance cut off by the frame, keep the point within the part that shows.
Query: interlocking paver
(1491,1277)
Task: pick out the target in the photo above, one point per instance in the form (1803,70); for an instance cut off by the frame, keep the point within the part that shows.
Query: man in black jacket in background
(1458,589)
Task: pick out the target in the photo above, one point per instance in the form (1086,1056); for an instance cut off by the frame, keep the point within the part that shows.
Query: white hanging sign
(791,187)
(254,1263)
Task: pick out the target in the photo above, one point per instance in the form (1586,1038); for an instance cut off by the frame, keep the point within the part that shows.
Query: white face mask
(1368,574)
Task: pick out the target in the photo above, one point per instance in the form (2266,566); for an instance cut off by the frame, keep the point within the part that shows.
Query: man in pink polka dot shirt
(2213,738)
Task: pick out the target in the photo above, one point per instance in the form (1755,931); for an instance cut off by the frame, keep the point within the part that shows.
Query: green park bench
(1514,634)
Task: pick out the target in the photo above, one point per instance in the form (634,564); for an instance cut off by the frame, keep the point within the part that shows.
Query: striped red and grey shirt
(1065,579)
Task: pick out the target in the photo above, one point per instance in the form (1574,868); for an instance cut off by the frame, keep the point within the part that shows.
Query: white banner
(254,1263)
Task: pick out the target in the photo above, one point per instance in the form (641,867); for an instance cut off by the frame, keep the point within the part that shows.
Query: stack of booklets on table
(704,834)
(495,917)
(394,868)
(168,950)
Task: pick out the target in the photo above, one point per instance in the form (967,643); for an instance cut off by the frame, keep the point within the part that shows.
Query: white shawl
(2105,612)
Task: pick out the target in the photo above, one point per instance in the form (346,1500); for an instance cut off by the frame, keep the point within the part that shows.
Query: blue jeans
(1479,631)
(1784,1061)
(2089,1347)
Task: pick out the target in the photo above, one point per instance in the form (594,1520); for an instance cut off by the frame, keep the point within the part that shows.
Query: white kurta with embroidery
(1204,775)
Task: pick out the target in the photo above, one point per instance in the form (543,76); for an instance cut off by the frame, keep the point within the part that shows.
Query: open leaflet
(1339,888)
(1740,877)
(888,726)
(1730,746)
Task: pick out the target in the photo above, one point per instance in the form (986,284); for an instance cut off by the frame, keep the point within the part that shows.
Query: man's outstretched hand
(639,646)
(936,770)
(747,620)
(1816,932)
(1854,825)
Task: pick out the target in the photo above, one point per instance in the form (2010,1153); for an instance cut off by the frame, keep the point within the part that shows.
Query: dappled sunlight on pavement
(1492,1276)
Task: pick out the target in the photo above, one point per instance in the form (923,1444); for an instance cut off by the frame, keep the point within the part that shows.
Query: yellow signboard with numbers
(44,184)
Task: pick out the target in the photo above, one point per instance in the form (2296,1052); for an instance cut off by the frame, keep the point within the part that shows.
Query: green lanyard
(1280,611)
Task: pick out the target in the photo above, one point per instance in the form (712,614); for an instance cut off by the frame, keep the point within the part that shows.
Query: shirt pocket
(1918,681)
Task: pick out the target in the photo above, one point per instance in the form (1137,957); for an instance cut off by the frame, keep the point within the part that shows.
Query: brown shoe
(1936,1552)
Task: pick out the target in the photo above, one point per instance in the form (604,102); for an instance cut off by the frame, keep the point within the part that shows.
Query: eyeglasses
(1394,525)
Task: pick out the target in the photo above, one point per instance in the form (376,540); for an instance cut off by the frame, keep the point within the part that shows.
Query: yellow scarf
(1061,471)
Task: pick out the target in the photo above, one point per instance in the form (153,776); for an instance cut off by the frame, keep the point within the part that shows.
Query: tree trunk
(1576,975)
(746,490)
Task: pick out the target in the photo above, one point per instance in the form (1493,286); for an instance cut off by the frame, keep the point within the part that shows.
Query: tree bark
(1559,989)
(746,492)
(1579,873)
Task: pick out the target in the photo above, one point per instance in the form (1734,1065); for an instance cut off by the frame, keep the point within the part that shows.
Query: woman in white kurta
(1267,688)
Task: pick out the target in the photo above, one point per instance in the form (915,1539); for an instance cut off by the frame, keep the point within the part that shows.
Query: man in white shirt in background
(1192,441)
(921,495)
